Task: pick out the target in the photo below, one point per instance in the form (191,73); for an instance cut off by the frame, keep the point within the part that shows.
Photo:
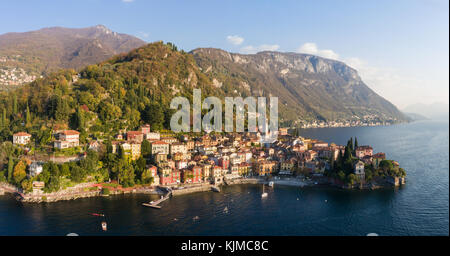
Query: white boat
(104,227)
(271,184)
(264,194)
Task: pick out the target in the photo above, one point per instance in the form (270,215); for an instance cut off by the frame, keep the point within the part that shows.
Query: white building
(35,169)
(21,138)
(359,170)
(67,139)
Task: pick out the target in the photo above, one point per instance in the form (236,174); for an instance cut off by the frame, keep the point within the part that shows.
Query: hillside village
(171,160)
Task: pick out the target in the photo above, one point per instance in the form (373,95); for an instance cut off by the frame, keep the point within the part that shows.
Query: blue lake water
(421,207)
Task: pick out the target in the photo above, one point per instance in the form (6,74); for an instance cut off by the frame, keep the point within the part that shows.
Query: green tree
(146,148)
(10,169)
(28,116)
(154,115)
(53,185)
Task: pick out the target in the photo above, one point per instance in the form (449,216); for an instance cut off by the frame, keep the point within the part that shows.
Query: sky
(400,48)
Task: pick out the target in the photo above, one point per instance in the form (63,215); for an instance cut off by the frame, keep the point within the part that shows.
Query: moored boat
(104,225)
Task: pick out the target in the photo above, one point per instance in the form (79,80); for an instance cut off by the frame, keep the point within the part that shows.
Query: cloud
(401,87)
(311,48)
(142,35)
(254,49)
(236,40)
(127,1)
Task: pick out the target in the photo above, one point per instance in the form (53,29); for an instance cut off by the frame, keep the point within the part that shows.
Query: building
(363,151)
(264,167)
(168,176)
(38,187)
(145,129)
(132,148)
(287,167)
(169,140)
(160,157)
(359,170)
(153,172)
(152,136)
(67,139)
(190,145)
(178,147)
(137,136)
(35,168)
(94,145)
(377,158)
(160,147)
(21,138)
(192,175)
(282,131)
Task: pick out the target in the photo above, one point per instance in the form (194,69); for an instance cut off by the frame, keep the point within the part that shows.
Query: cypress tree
(15,104)
(356,143)
(10,169)
(28,116)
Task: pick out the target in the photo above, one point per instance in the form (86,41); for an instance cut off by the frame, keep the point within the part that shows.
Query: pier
(155,204)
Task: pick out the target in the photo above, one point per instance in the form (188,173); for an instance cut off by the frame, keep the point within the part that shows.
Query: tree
(341,175)
(64,170)
(351,179)
(356,143)
(77,174)
(78,120)
(15,104)
(10,169)
(28,116)
(350,144)
(53,185)
(19,172)
(62,110)
(27,185)
(386,165)
(146,148)
(154,115)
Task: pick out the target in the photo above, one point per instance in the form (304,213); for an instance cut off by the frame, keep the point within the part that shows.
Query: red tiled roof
(21,134)
(159,142)
(134,133)
(70,132)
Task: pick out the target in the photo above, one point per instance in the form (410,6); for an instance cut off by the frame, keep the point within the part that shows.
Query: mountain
(308,87)
(137,87)
(25,56)
(437,110)
(101,99)
(415,116)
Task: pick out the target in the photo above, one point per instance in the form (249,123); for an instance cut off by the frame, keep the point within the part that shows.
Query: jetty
(155,204)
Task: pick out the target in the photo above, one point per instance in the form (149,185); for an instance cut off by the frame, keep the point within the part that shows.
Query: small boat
(104,227)
(271,184)
(264,194)
(196,218)
(225,210)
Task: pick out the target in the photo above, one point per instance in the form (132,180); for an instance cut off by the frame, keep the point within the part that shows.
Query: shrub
(105,191)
